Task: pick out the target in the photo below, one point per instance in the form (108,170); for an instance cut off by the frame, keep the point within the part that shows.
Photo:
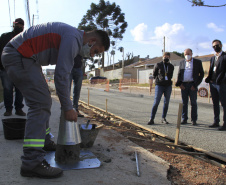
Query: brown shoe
(43,170)
(20,112)
(8,113)
(50,147)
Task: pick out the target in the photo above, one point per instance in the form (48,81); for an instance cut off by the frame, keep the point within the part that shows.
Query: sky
(182,25)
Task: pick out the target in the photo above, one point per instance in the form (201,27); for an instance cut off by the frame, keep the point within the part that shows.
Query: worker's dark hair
(104,38)
(216,40)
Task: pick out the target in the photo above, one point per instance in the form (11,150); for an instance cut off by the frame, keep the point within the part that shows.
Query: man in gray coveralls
(41,45)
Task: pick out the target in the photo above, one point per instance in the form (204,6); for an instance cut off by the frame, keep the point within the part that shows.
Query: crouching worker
(51,43)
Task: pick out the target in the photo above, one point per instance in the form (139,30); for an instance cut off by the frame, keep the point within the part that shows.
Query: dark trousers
(8,93)
(186,93)
(76,76)
(218,93)
(159,91)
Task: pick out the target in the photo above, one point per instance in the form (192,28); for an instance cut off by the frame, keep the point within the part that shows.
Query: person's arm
(207,80)
(171,73)
(200,74)
(1,49)
(221,70)
(179,82)
(155,71)
(68,50)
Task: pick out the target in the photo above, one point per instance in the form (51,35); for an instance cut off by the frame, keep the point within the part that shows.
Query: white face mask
(85,51)
(187,57)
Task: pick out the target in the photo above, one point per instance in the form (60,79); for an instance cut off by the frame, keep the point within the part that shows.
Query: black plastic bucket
(88,136)
(14,128)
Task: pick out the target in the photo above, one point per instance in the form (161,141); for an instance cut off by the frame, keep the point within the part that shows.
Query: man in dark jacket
(7,84)
(163,73)
(217,81)
(190,75)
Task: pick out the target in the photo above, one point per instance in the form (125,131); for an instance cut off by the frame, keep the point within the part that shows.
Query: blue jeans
(76,76)
(8,93)
(218,93)
(159,91)
(187,92)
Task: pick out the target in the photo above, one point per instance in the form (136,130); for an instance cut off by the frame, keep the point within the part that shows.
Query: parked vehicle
(97,79)
(203,89)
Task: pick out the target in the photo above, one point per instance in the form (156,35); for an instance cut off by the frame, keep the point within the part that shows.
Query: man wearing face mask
(217,80)
(163,73)
(52,43)
(7,84)
(190,75)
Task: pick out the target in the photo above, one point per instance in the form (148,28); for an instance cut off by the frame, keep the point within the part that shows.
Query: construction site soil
(184,168)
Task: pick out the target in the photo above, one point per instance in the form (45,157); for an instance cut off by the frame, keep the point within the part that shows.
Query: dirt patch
(184,169)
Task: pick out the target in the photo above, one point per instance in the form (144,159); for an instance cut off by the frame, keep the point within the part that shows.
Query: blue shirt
(188,71)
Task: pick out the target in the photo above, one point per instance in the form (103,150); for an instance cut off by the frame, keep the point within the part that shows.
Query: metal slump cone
(69,133)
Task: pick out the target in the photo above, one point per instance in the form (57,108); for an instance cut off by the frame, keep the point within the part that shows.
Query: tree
(201,3)
(179,54)
(105,16)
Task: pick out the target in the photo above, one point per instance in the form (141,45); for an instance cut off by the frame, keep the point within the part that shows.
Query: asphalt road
(137,108)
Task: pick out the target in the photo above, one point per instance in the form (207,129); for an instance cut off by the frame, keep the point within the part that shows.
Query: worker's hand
(71,115)
(182,87)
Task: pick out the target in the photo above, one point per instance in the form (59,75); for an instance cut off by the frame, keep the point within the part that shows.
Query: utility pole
(164,45)
(33,20)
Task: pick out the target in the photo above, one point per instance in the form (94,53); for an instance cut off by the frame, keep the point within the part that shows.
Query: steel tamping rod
(138,171)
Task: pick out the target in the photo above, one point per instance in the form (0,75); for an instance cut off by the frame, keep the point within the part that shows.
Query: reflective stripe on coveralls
(47,131)
(34,143)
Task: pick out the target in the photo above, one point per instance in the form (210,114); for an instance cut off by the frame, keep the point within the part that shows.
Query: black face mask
(217,48)
(165,60)
(17,29)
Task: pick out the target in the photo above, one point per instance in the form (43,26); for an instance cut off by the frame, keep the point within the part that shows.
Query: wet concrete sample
(67,154)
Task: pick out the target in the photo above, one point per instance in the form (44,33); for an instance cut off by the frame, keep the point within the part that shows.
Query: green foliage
(105,16)
(202,3)
(179,54)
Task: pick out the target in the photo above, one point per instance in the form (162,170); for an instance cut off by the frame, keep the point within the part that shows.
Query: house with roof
(144,67)
(138,69)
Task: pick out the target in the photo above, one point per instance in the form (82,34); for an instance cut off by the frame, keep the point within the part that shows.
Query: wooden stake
(88,97)
(174,88)
(106,105)
(178,123)
(130,85)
